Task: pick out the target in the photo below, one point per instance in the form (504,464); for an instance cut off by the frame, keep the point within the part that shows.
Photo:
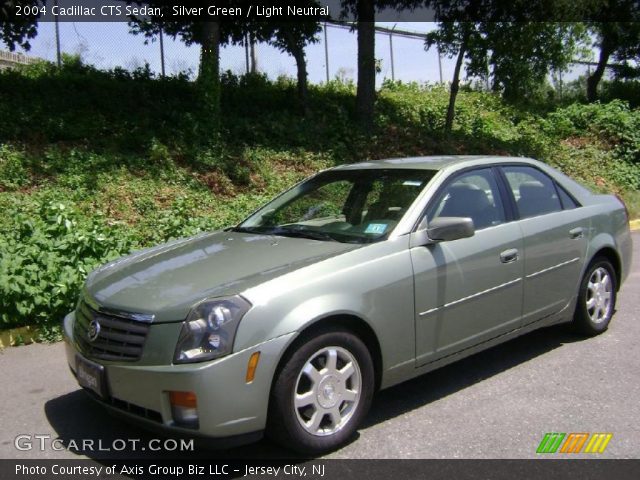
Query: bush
(13,173)
(45,254)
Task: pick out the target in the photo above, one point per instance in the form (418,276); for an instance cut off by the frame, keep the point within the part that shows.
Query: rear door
(468,290)
(554,240)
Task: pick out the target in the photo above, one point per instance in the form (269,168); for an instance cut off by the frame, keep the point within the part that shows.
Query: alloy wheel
(599,294)
(328,391)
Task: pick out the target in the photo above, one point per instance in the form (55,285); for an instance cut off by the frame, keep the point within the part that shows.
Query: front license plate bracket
(91,375)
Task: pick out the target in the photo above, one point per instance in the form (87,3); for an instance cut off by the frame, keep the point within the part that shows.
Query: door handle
(509,256)
(577,232)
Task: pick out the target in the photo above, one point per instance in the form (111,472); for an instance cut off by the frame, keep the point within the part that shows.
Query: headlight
(210,329)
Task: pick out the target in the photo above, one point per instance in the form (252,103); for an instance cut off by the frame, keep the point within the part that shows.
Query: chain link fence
(399,50)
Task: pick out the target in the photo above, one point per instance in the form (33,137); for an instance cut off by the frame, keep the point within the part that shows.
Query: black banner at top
(321,10)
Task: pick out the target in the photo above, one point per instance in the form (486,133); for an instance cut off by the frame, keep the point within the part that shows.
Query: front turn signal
(252,366)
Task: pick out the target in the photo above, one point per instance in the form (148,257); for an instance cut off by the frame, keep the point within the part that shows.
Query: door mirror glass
(444,229)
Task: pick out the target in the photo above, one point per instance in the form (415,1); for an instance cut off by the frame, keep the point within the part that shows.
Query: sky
(109,44)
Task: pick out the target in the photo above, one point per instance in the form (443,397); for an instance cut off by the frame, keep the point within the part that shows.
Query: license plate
(90,375)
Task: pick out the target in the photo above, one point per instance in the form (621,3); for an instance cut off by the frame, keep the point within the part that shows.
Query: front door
(469,290)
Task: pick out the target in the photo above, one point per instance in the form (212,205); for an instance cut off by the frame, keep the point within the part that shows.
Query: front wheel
(322,393)
(597,298)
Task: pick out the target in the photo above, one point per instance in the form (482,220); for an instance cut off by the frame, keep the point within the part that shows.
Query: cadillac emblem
(94,331)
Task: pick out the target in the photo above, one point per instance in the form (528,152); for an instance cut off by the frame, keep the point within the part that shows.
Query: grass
(120,161)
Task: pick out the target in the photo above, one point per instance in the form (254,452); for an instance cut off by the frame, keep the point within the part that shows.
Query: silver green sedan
(356,279)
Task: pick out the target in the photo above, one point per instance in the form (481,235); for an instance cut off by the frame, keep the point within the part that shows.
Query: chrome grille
(118,338)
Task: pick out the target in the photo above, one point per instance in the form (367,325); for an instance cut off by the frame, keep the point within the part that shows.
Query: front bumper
(227,405)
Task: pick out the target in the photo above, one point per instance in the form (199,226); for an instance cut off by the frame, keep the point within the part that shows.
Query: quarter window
(568,203)
(475,195)
(535,192)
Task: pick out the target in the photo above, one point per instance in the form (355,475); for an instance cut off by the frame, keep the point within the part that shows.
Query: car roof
(436,162)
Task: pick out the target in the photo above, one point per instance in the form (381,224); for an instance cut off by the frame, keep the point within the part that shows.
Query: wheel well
(611,255)
(353,324)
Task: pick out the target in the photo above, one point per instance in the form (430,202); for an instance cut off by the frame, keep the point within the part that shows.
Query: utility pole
(326,51)
(162,52)
(57,25)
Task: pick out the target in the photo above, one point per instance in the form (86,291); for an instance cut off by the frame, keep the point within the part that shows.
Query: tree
(521,54)
(209,34)
(18,30)
(292,39)
(515,54)
(366,87)
(617,40)
(364,11)
(456,39)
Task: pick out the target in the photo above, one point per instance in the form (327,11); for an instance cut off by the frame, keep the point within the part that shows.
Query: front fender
(373,283)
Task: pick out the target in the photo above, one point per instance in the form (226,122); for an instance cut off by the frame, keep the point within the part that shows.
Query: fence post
(393,71)
(326,52)
(252,51)
(162,52)
(246,51)
(439,64)
(57,27)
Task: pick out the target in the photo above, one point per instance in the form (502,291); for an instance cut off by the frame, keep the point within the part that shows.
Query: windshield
(356,206)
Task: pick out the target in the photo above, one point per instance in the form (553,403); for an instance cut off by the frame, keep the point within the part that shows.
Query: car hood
(168,280)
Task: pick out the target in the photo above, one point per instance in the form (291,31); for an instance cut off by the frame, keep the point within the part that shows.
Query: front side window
(534,191)
(475,195)
(355,206)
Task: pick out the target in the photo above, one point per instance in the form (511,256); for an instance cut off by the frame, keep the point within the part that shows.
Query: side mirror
(444,229)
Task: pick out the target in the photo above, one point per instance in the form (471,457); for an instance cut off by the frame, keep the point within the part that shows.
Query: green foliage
(115,109)
(13,173)
(628,91)
(613,123)
(46,250)
(116,163)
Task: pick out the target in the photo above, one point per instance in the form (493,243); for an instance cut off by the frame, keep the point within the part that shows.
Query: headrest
(466,197)
(534,190)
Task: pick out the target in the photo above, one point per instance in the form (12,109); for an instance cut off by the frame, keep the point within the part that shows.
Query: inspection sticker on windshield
(376,228)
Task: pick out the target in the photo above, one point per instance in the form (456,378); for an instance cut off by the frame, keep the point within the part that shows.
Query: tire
(330,375)
(596,299)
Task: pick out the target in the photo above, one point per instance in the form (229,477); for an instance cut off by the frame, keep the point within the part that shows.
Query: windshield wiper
(249,230)
(302,233)
(286,232)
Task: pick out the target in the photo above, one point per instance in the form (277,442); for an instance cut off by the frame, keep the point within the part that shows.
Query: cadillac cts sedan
(356,279)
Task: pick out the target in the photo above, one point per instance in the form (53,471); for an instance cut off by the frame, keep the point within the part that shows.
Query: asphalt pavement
(496,404)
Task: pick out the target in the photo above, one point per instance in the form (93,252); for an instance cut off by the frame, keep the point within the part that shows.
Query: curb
(634,225)
(18,336)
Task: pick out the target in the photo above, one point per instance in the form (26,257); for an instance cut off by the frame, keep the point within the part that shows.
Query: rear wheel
(322,393)
(597,298)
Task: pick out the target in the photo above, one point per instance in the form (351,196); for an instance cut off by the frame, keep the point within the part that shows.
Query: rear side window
(535,192)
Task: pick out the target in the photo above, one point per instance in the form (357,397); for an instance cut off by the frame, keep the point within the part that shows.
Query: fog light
(184,409)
